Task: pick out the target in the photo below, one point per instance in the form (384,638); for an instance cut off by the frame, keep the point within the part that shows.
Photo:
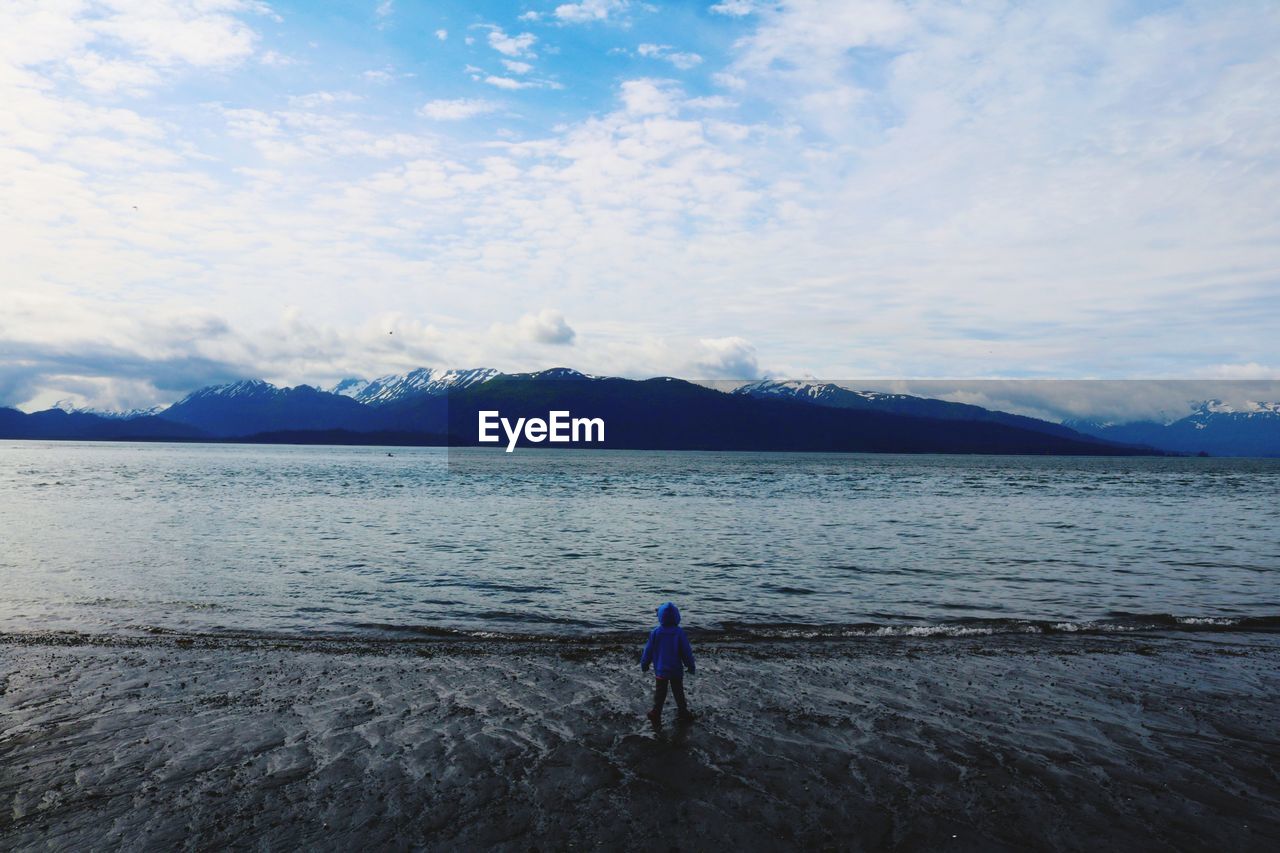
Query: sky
(194,191)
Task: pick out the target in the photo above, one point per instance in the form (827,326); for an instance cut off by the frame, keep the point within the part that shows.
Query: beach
(1063,742)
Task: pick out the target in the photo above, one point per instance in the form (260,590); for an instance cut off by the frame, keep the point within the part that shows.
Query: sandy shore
(1067,743)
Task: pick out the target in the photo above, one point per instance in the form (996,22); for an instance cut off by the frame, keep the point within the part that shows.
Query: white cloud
(108,76)
(202,33)
(521,45)
(296,135)
(735,8)
(710,102)
(589,10)
(275,59)
(508,82)
(384,9)
(442,35)
(725,358)
(1249,370)
(517,67)
(457,108)
(121,46)
(314,100)
(649,97)
(682,60)
(529,16)
(546,327)
(729,81)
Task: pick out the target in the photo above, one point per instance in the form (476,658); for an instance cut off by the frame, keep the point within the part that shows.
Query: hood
(669,615)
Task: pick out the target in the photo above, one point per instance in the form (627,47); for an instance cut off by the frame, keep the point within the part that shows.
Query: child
(669,651)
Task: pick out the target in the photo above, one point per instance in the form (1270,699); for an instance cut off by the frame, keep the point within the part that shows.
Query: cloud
(70,350)
(192,32)
(508,82)
(118,46)
(649,97)
(385,9)
(724,358)
(79,351)
(1118,401)
(457,108)
(315,100)
(810,36)
(545,327)
(51,348)
(589,10)
(521,45)
(517,67)
(511,83)
(311,132)
(442,35)
(682,60)
(735,8)
(729,81)
(1250,370)
(275,59)
(710,102)
(107,76)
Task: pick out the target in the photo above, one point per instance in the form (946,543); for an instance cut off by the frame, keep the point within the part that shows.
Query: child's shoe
(686,717)
(655,717)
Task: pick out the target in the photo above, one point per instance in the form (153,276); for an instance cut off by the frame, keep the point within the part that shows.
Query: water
(322,540)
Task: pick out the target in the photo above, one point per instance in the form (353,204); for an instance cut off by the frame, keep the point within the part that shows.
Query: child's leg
(659,694)
(677,688)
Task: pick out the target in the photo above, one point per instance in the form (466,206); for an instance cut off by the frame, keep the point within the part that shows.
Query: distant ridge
(433,406)
(828,394)
(424,380)
(1215,428)
(253,406)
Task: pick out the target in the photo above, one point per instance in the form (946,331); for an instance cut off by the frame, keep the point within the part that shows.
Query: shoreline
(996,742)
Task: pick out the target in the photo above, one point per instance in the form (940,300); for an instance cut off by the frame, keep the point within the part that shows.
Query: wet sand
(988,743)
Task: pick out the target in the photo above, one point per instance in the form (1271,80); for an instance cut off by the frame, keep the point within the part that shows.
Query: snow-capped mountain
(553,373)
(424,381)
(253,406)
(1213,427)
(242,389)
(823,393)
(834,396)
(1249,409)
(72,409)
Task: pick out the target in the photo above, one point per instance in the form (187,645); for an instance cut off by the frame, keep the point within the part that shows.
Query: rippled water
(123,537)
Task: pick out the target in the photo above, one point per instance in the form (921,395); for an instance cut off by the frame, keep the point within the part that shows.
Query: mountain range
(436,407)
(1214,428)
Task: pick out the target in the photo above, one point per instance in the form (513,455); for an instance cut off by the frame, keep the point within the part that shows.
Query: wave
(392,635)
(976,627)
(1126,623)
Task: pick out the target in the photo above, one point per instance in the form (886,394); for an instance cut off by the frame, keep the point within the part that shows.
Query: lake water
(402,541)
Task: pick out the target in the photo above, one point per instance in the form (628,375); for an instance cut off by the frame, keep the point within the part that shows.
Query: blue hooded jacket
(668,648)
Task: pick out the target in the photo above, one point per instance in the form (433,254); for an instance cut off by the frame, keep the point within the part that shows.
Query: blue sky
(198,190)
